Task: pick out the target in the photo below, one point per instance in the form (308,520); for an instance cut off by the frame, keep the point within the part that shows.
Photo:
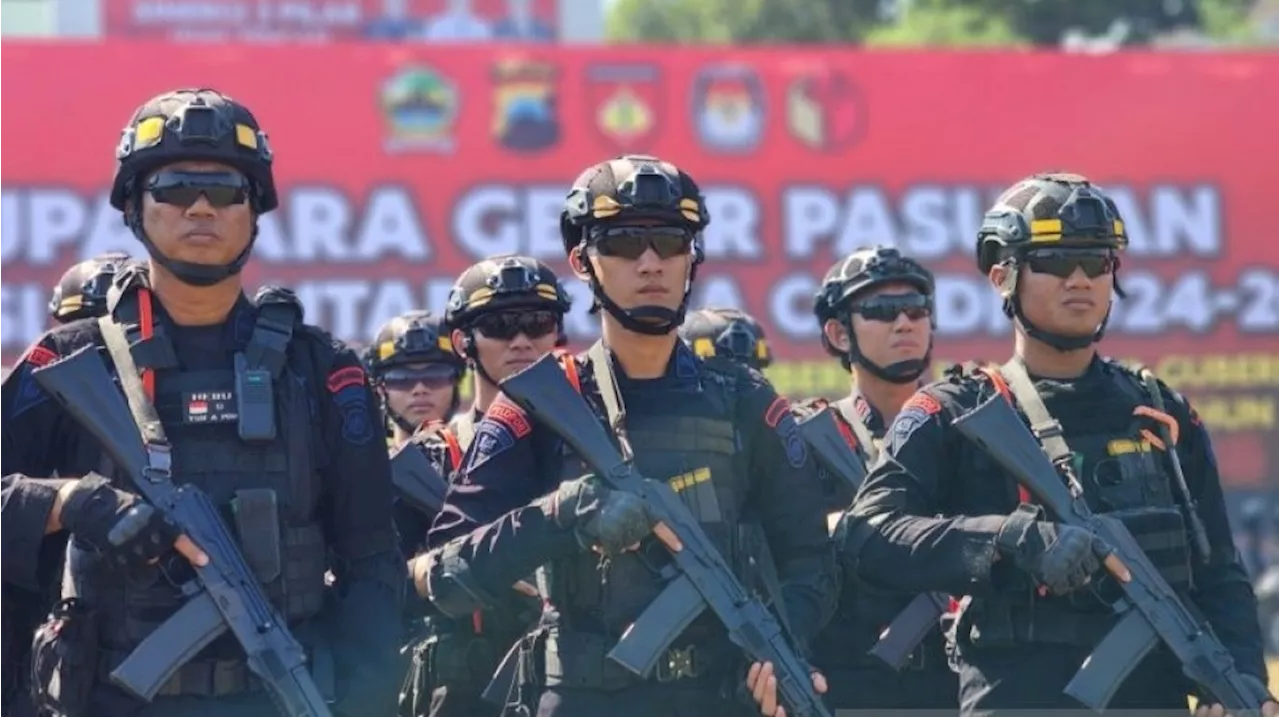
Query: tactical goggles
(433,376)
(1062,263)
(183,189)
(632,241)
(888,307)
(506,325)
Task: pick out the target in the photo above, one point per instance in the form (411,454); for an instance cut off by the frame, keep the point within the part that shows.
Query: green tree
(939,23)
(740,21)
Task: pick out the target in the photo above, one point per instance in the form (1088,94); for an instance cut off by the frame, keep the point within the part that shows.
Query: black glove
(128,532)
(600,517)
(1060,557)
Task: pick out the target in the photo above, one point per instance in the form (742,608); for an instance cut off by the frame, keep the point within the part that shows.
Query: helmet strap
(185,271)
(1013,308)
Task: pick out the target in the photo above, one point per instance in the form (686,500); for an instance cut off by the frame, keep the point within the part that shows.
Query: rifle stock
(417,481)
(996,428)
(81,384)
(820,431)
(706,581)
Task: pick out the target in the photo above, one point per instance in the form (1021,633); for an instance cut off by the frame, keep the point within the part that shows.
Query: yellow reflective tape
(691,215)
(1125,446)
(148,132)
(604,206)
(1046,226)
(762,349)
(386,349)
(1117,227)
(690,479)
(445,344)
(548,291)
(690,204)
(71,303)
(479,297)
(246,137)
(704,347)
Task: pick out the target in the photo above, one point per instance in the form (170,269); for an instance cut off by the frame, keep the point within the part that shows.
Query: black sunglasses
(631,242)
(506,325)
(404,379)
(182,189)
(889,307)
(1062,263)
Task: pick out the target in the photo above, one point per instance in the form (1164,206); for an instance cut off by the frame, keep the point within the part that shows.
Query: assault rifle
(1150,611)
(417,481)
(702,579)
(225,594)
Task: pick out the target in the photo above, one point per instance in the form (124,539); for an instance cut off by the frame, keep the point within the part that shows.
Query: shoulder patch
(492,438)
(510,416)
(778,417)
(353,404)
(344,378)
(38,356)
(914,414)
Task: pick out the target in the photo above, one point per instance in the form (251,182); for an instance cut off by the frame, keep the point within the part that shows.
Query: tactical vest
(268,490)
(697,448)
(1122,474)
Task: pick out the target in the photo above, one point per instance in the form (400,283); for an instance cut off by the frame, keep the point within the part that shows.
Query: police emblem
(420,107)
(625,102)
(524,105)
(728,107)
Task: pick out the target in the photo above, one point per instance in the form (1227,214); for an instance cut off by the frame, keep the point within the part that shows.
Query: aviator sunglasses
(889,307)
(183,189)
(434,378)
(506,325)
(631,242)
(1062,263)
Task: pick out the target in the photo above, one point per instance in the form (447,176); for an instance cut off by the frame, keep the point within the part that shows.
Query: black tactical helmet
(864,269)
(628,189)
(412,337)
(192,125)
(501,283)
(1047,211)
(82,291)
(727,332)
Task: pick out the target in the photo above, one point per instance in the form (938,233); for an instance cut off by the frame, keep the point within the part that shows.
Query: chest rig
(692,442)
(244,436)
(1125,470)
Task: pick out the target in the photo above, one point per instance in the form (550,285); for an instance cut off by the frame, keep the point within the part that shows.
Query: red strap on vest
(148,330)
(998,382)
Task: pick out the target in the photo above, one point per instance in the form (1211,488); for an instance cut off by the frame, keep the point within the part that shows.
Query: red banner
(274,20)
(400,166)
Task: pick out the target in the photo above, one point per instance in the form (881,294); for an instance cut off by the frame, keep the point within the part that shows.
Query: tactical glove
(1060,557)
(129,533)
(608,520)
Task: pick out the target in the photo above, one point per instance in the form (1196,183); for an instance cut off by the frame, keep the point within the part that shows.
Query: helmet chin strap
(1060,342)
(649,320)
(899,372)
(185,271)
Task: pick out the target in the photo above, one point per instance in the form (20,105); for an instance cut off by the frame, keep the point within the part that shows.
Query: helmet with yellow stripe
(1049,210)
(1045,214)
(503,283)
(729,333)
(412,337)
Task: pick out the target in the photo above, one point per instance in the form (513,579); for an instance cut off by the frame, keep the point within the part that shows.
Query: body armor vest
(689,439)
(267,490)
(1122,474)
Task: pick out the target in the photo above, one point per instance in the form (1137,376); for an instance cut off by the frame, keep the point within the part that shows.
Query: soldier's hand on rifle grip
(604,520)
(1061,558)
(763,685)
(112,521)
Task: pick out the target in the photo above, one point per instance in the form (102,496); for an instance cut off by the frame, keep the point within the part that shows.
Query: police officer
(938,514)
(415,371)
(298,468)
(82,290)
(505,312)
(875,313)
(632,229)
(730,333)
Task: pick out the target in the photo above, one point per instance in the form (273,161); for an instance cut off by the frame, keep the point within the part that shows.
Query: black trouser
(868,687)
(645,699)
(1030,677)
